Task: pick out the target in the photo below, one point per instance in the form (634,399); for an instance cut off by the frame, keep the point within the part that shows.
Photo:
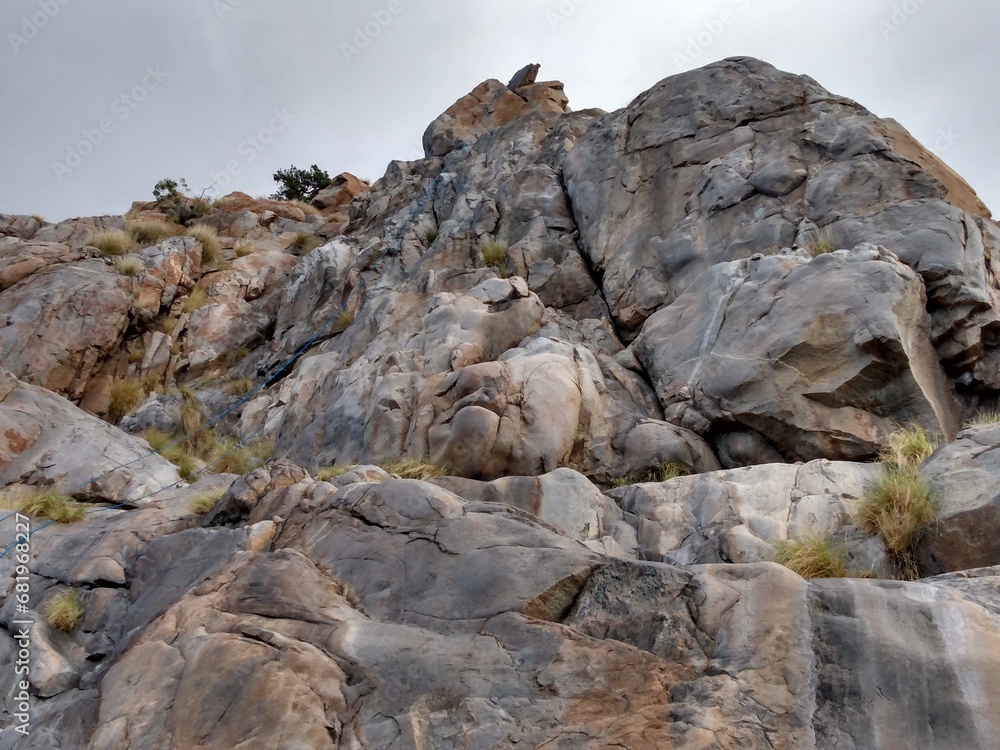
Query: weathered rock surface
(567,301)
(965,478)
(46,441)
(740,515)
(738,158)
(821,356)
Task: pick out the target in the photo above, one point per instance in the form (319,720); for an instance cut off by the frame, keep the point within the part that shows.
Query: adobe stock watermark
(224,7)
(21,626)
(249,149)
(899,16)
(711,30)
(123,106)
(561,13)
(365,34)
(944,139)
(33,24)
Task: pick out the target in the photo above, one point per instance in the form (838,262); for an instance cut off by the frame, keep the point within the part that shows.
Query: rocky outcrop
(821,356)
(736,272)
(741,515)
(965,479)
(41,439)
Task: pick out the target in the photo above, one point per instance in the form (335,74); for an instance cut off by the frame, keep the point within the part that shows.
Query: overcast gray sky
(102,98)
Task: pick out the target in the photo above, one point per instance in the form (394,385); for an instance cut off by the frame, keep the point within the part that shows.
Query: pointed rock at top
(494,105)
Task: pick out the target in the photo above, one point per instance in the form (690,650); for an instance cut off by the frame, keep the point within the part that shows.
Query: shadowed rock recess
(653,348)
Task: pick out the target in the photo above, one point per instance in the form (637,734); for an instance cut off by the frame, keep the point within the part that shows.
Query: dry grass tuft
(195,301)
(429,234)
(408,468)
(331,472)
(126,395)
(54,505)
(662,473)
(816,558)
(131,265)
(239,386)
(898,507)
(64,611)
(211,248)
(243,249)
(821,243)
(307,208)
(305,242)
(985,417)
(148,232)
(203,502)
(112,242)
(908,448)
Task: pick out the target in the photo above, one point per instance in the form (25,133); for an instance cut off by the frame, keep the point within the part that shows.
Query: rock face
(736,272)
(965,477)
(818,355)
(41,443)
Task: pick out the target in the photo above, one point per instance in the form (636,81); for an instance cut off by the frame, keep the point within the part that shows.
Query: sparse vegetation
(305,242)
(211,248)
(195,301)
(331,472)
(494,252)
(203,502)
(296,184)
(307,208)
(908,448)
(821,243)
(408,468)
(898,507)
(240,459)
(126,395)
(429,234)
(157,439)
(171,198)
(243,249)
(815,558)
(54,505)
(344,319)
(664,472)
(64,611)
(112,242)
(136,355)
(985,417)
(147,232)
(131,265)
(152,382)
(240,353)
(39,218)
(239,386)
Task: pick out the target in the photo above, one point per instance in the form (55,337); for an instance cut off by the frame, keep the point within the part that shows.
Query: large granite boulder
(821,356)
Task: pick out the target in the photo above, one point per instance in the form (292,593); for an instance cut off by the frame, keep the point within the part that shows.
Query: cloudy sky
(102,98)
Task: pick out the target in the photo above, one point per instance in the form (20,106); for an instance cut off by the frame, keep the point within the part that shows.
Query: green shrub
(211,248)
(131,265)
(64,611)
(53,505)
(429,234)
(126,395)
(112,242)
(408,468)
(147,232)
(300,184)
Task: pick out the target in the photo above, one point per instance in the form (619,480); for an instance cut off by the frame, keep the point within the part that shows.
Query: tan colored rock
(19,259)
(343,189)
(453,128)
(58,325)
